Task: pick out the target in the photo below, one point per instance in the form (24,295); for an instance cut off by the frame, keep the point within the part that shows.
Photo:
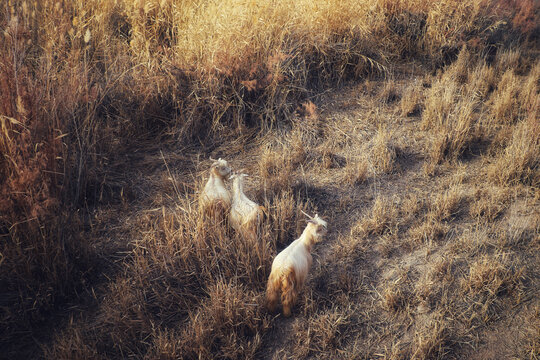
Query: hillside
(412,129)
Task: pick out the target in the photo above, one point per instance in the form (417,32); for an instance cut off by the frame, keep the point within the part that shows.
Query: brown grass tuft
(383,152)
(356,171)
(411,103)
(491,275)
(431,340)
(381,219)
(520,161)
(322,332)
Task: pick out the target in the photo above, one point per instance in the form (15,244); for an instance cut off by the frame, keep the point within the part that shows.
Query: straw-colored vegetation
(411,126)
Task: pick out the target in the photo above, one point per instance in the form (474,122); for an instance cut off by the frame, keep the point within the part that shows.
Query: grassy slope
(422,261)
(100,238)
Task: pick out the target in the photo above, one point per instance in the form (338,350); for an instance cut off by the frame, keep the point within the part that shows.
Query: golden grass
(412,101)
(380,220)
(519,161)
(90,87)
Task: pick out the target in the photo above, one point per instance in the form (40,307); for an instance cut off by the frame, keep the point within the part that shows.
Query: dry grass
(382,218)
(412,101)
(92,89)
(520,161)
(356,171)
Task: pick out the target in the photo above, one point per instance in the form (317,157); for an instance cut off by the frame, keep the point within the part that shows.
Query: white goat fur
(246,215)
(290,267)
(215,198)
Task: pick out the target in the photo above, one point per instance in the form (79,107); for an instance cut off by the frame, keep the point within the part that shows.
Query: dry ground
(424,258)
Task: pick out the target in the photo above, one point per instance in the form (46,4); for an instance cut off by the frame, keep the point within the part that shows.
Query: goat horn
(211,159)
(306,214)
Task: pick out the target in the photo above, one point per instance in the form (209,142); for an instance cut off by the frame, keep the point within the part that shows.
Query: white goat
(246,216)
(215,198)
(290,267)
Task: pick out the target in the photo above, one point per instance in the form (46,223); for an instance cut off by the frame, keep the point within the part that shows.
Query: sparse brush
(348,246)
(393,298)
(529,97)
(427,232)
(227,326)
(411,206)
(277,166)
(482,81)
(508,59)
(451,114)
(91,87)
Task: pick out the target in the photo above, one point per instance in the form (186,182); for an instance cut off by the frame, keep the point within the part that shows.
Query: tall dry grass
(81,81)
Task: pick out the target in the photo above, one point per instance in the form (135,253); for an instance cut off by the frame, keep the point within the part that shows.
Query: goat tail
(272,293)
(289,291)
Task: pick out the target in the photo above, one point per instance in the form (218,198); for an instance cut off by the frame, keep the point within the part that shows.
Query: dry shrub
(44,258)
(529,90)
(226,326)
(175,275)
(73,341)
(348,247)
(451,141)
(411,206)
(81,80)
(451,112)
(285,218)
(483,80)
(439,102)
(387,244)
(532,347)
(389,92)
(447,22)
(520,161)
(395,295)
